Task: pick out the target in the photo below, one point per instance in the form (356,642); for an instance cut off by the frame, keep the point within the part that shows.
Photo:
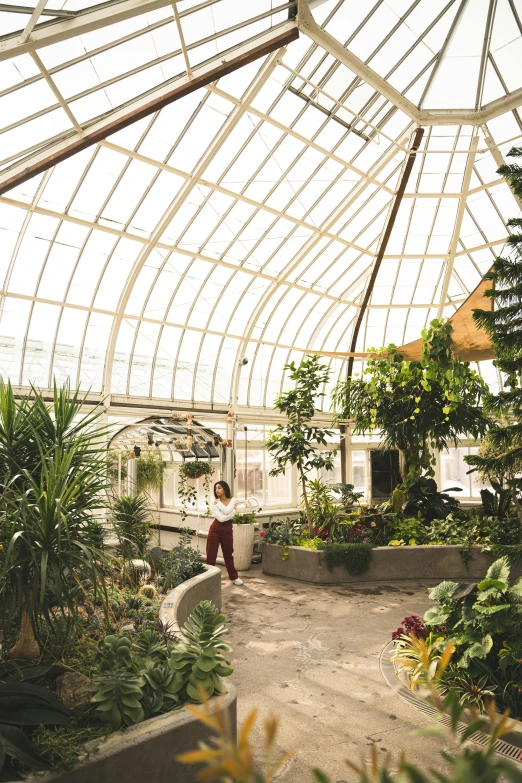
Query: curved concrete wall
(180,602)
(388,564)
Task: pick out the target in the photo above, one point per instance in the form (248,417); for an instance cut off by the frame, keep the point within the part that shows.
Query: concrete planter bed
(149,749)
(387,564)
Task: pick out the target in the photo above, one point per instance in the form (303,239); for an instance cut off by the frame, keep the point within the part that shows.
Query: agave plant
(22,704)
(199,657)
(52,482)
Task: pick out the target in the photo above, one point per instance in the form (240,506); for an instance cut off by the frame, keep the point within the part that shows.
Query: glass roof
(243,219)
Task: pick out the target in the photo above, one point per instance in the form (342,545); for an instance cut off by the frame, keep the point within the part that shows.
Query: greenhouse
(261,391)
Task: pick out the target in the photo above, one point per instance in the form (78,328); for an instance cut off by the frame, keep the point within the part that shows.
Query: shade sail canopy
(187,185)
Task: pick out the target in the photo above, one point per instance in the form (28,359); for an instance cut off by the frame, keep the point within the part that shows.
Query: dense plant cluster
(418,407)
(181,563)
(483,623)
(427,517)
(138,678)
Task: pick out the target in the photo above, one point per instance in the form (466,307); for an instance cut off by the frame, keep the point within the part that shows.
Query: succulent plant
(117,684)
(149,591)
(199,657)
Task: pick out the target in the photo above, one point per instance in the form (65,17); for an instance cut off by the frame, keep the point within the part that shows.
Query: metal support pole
(458,225)
(419,133)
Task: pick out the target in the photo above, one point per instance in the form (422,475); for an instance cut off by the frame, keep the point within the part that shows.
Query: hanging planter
(149,471)
(188,492)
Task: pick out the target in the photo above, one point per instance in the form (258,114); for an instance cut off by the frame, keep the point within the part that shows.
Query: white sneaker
(237,581)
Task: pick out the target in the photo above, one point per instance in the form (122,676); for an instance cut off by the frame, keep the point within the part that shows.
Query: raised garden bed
(387,564)
(151,747)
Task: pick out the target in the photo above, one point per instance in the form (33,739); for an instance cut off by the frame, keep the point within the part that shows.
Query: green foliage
(149,471)
(131,520)
(497,504)
(199,658)
(354,557)
(409,529)
(297,441)
(484,622)
(195,469)
(181,563)
(427,502)
(117,683)
(326,514)
(286,533)
(349,498)
(503,324)
(114,459)
(191,470)
(22,704)
(418,407)
(53,475)
(246,518)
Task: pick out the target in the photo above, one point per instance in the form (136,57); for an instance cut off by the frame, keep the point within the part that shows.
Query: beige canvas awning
(470,343)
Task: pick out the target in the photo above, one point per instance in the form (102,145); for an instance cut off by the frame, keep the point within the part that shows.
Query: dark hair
(225,486)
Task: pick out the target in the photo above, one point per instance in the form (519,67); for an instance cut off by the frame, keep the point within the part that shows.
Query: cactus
(149,591)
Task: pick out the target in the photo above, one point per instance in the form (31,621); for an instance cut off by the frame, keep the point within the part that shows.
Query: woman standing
(220,532)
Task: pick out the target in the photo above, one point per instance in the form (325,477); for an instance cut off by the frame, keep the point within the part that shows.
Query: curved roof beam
(489,111)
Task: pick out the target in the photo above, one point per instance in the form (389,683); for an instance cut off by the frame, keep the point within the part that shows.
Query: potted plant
(149,471)
(188,492)
(244,539)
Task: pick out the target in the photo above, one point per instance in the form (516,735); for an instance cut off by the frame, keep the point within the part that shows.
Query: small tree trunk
(26,647)
(518,504)
(403,465)
(305,498)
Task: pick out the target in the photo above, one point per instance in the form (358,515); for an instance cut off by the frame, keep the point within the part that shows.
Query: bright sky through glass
(243,219)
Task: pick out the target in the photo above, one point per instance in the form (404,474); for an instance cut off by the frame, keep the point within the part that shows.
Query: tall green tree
(504,326)
(297,442)
(417,407)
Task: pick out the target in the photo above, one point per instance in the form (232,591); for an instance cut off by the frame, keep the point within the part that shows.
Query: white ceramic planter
(243,546)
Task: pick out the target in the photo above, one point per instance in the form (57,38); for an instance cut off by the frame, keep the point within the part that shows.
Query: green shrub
(354,557)
(484,621)
(409,529)
(181,563)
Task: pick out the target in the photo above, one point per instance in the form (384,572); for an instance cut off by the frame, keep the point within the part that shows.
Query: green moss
(354,557)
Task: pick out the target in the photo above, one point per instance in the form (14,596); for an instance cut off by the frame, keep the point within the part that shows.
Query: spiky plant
(52,480)
(131,520)
(503,324)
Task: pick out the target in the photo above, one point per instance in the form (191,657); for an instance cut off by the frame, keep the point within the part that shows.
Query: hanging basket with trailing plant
(149,471)
(188,492)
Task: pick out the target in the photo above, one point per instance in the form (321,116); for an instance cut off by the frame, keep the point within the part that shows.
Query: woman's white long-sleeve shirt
(224,513)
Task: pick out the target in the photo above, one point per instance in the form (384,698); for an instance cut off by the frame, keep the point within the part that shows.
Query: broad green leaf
(442,591)
(499,570)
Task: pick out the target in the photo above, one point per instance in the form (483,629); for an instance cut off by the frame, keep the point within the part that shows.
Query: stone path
(310,655)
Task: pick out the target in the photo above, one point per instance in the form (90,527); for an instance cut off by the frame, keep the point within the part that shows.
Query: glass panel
(359,468)
(453,472)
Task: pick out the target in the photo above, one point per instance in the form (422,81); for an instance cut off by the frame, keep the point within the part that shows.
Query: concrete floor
(310,655)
